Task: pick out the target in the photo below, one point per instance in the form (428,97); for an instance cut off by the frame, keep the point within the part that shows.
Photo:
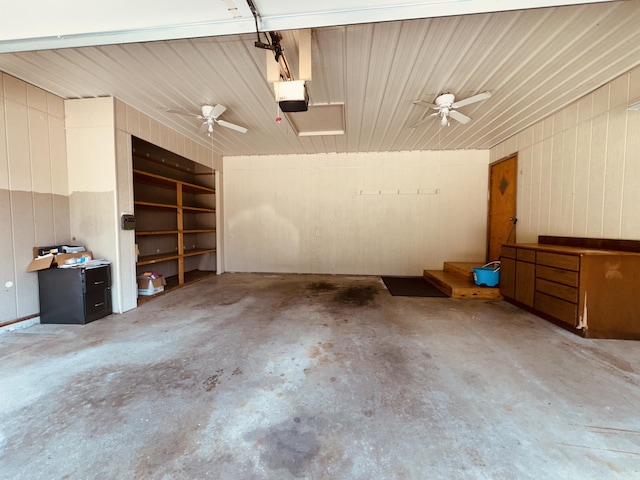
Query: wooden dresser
(592,292)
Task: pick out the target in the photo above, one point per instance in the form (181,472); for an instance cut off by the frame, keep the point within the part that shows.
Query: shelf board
(197,189)
(200,230)
(174,232)
(198,251)
(157,258)
(154,205)
(156,232)
(152,179)
(199,209)
(169,183)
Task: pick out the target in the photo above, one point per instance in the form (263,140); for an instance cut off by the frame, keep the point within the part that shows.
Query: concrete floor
(247,376)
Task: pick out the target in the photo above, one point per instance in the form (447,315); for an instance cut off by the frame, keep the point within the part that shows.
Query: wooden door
(503,176)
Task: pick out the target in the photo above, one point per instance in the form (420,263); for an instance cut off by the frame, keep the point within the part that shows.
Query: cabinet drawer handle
(99,304)
(98,283)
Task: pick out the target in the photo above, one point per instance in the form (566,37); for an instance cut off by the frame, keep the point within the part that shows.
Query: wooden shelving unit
(175,219)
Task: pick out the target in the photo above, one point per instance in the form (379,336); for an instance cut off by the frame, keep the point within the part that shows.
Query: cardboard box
(150,286)
(52,259)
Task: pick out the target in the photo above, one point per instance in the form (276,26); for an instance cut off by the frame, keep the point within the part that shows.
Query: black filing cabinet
(74,295)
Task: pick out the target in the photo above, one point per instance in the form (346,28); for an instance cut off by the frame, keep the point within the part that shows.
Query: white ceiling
(533,61)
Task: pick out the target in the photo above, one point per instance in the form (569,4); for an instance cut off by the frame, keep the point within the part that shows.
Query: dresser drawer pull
(99,304)
(98,283)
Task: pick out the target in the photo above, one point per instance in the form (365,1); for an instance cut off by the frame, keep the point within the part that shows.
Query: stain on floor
(356,296)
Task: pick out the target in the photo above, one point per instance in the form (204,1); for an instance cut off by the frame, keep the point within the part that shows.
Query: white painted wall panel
(614,173)
(546,172)
(597,169)
(556,176)
(344,214)
(592,180)
(630,186)
(92,180)
(32,212)
(567,180)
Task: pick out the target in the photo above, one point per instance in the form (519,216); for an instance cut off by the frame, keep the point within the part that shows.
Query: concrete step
(455,285)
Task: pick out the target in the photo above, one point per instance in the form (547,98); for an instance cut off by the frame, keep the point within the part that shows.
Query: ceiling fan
(446,105)
(209,117)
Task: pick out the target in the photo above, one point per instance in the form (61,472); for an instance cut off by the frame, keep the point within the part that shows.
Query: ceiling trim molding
(88,33)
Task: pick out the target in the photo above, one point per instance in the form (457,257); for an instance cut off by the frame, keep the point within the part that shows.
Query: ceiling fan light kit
(446,107)
(210,116)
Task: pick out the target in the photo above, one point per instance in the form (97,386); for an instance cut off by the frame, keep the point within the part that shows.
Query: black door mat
(411,287)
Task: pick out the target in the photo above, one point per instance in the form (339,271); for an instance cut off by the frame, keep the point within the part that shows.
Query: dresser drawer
(568,262)
(508,252)
(97,278)
(565,277)
(560,309)
(526,255)
(564,292)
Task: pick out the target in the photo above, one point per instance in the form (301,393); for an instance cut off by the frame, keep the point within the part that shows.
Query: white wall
(92,180)
(323,213)
(579,170)
(34,203)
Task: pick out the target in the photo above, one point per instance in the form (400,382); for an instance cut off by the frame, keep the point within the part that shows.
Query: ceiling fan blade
(425,119)
(182,112)
(232,126)
(425,104)
(218,110)
(204,127)
(460,117)
(472,99)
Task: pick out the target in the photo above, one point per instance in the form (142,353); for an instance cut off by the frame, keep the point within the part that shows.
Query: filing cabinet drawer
(97,278)
(97,304)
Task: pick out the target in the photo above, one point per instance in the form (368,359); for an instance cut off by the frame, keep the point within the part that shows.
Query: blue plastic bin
(488,275)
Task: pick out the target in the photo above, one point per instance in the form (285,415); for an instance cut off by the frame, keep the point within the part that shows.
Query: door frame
(491,193)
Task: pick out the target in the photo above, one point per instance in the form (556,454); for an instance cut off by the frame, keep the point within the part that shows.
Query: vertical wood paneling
(631,192)
(583,172)
(614,174)
(556,176)
(525,176)
(39,147)
(8,296)
(568,181)
(546,173)
(536,187)
(22,208)
(595,169)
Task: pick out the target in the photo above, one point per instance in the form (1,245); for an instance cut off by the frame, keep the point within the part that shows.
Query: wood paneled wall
(34,201)
(579,169)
